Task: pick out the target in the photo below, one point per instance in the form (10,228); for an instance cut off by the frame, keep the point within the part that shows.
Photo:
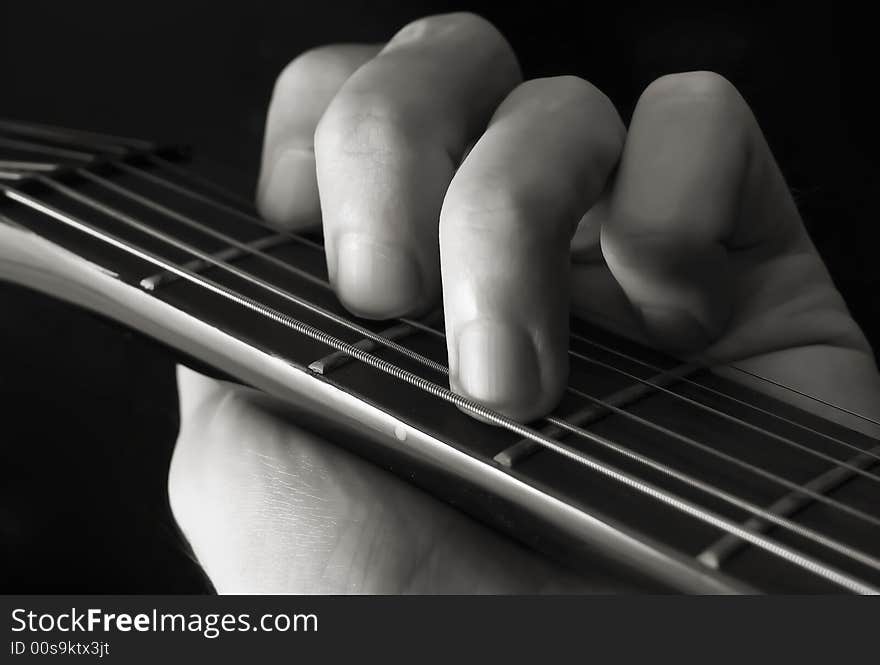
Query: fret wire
(192,223)
(249,248)
(709,408)
(727,545)
(589,414)
(219,205)
(720,393)
(27,165)
(775,478)
(794,444)
(230,253)
(805,532)
(792,486)
(327,363)
(242,274)
(670,499)
(803,394)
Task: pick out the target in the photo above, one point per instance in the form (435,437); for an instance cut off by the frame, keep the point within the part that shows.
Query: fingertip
(497,365)
(377,280)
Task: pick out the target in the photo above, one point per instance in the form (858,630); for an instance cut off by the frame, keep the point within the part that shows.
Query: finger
(387,148)
(693,185)
(287,189)
(505,234)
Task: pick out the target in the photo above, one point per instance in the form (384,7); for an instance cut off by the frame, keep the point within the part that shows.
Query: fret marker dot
(400,432)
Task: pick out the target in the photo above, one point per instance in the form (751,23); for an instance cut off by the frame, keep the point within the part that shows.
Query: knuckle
(366,123)
(464,30)
(564,91)
(571,97)
(446,27)
(321,63)
(702,88)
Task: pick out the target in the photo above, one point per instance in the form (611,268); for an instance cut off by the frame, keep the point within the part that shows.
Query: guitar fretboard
(671,460)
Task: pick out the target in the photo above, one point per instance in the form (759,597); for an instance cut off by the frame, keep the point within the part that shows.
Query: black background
(88,412)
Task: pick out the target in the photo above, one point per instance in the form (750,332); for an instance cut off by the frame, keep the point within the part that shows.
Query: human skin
(440,176)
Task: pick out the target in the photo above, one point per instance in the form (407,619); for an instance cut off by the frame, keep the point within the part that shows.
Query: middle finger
(387,148)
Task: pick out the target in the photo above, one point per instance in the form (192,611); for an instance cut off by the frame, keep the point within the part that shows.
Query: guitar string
(803,394)
(419,358)
(219,205)
(781,521)
(228,239)
(731,418)
(720,393)
(251,218)
(166,165)
(830,543)
(769,475)
(425,327)
(646,488)
(707,407)
(246,205)
(192,223)
(743,464)
(242,274)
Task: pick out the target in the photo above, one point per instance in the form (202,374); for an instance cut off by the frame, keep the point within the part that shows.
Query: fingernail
(289,194)
(675,329)
(376,280)
(497,365)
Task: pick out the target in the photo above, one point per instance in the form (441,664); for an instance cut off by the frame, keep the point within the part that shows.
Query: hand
(430,163)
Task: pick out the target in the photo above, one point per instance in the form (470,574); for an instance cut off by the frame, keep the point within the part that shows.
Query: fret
(672,457)
(230,254)
(337,359)
(22,165)
(593,412)
(716,554)
(794,424)
(220,257)
(719,413)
